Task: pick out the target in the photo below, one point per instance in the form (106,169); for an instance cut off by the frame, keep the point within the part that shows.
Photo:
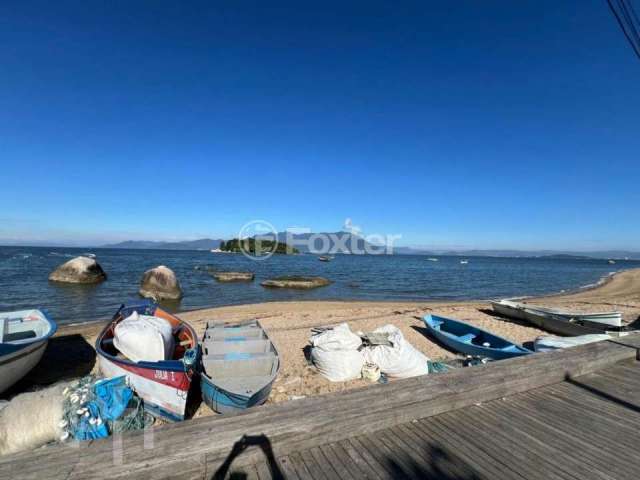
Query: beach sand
(71,353)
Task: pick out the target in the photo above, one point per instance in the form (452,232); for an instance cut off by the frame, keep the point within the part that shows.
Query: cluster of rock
(161,283)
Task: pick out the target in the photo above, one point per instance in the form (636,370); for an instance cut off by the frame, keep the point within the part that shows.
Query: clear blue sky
(472,124)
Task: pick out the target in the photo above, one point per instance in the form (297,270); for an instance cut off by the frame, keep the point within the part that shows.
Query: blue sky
(474,124)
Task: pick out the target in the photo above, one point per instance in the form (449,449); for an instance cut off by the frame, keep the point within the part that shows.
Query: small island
(256,247)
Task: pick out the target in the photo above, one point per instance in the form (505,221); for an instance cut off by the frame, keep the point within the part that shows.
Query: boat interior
(183,336)
(23,325)
(471,336)
(239,359)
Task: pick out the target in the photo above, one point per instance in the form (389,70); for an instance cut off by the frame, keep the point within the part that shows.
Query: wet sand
(71,354)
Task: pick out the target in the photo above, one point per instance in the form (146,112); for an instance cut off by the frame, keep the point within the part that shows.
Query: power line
(627,19)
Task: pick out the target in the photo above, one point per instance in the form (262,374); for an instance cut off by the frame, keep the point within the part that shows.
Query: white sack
(143,338)
(335,353)
(339,338)
(31,420)
(338,365)
(400,361)
(550,343)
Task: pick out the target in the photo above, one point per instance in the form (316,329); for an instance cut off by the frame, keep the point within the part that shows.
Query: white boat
(432,259)
(23,340)
(464,262)
(559,321)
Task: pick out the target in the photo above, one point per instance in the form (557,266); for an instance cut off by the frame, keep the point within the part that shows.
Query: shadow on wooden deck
(260,441)
(602,394)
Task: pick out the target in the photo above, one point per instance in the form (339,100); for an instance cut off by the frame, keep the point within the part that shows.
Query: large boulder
(296,282)
(160,283)
(233,276)
(79,270)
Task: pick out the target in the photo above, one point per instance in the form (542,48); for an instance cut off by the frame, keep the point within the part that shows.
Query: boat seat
(244,385)
(231,334)
(467,338)
(212,347)
(237,364)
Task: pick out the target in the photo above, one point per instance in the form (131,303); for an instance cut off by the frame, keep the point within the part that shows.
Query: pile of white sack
(143,338)
(339,355)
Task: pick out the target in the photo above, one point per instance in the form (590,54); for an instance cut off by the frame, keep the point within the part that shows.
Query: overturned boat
(156,351)
(239,366)
(560,321)
(23,339)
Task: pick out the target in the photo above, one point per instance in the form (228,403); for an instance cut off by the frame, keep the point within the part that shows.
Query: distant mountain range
(356,244)
(202,244)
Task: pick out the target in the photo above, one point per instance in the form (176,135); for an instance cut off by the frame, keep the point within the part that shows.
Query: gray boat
(560,321)
(239,366)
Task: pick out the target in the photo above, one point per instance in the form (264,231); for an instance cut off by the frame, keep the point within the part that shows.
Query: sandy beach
(71,353)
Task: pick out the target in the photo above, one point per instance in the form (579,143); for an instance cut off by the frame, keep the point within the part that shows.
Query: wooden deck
(572,414)
(585,428)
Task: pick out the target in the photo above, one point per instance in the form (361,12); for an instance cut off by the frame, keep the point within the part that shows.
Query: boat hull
(222,401)
(557,323)
(164,391)
(442,328)
(15,365)
(163,385)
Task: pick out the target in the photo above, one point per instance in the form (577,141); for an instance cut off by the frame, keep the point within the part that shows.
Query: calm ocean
(24,284)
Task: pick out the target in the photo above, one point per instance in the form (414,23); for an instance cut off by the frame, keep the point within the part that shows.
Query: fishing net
(95,408)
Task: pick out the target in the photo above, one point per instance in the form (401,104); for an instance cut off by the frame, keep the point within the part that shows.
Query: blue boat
(239,366)
(23,339)
(464,338)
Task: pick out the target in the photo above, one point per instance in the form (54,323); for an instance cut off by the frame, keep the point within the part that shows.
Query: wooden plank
(310,422)
(247,472)
(312,465)
(472,452)
(287,468)
(631,340)
(263,471)
(324,464)
(411,462)
(358,459)
(600,427)
(567,440)
(339,459)
(381,455)
(572,395)
(545,439)
(301,469)
(512,445)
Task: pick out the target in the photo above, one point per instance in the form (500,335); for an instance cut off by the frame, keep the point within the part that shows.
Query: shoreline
(71,352)
(604,280)
(600,283)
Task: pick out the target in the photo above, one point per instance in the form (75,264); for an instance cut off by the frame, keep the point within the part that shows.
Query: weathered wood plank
(287,468)
(566,439)
(455,443)
(303,472)
(337,456)
(324,463)
(544,441)
(369,468)
(311,422)
(504,441)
